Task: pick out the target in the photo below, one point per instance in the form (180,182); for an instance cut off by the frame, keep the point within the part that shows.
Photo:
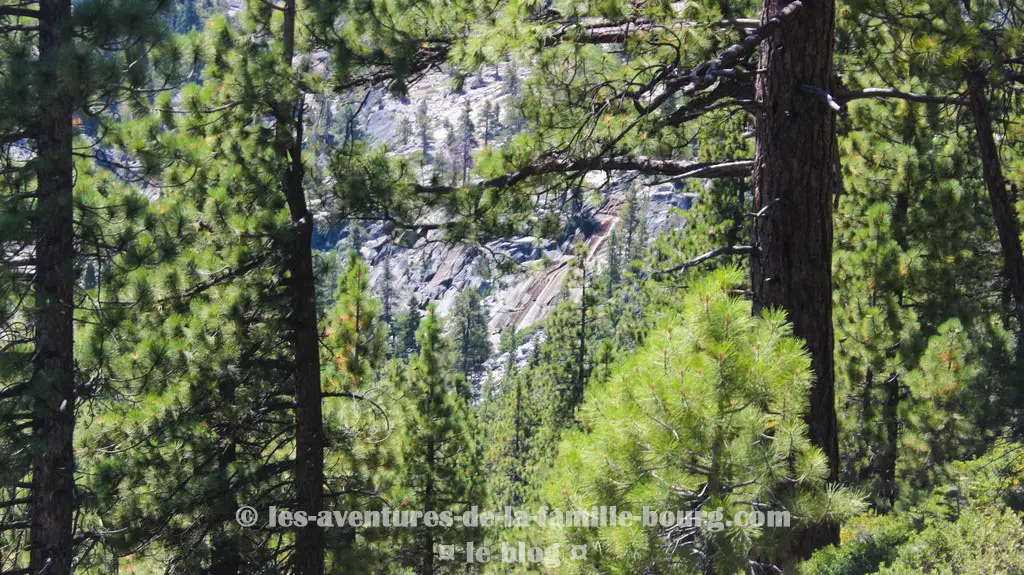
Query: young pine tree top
(707,414)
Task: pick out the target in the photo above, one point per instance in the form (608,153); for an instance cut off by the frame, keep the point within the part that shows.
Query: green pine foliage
(514,420)
(467,327)
(707,414)
(66,77)
(407,324)
(970,525)
(200,165)
(359,394)
(440,452)
(355,330)
(902,279)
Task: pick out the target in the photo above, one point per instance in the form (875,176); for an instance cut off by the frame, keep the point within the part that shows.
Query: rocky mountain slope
(433,271)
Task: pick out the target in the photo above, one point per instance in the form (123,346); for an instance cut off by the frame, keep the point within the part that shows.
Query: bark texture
(794,182)
(225,556)
(1002,208)
(890,417)
(52,506)
(308,558)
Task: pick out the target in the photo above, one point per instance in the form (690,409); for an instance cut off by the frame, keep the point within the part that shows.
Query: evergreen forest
(458,287)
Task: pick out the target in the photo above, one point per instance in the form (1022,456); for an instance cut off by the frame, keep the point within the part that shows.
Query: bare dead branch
(640,164)
(701,104)
(744,48)
(850,95)
(14,525)
(604,32)
(825,96)
(16,12)
(723,251)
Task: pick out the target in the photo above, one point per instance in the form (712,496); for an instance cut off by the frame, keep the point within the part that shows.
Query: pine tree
(328,272)
(355,345)
(241,137)
(793,269)
(195,446)
(351,125)
(387,295)
(467,327)
(439,449)
(490,123)
(634,226)
(288,110)
(405,131)
(565,356)
(583,328)
(466,142)
(963,49)
(511,455)
(612,268)
(355,332)
(356,236)
(452,168)
(511,82)
(894,266)
(708,414)
(406,325)
(53,420)
(513,119)
(423,130)
(57,65)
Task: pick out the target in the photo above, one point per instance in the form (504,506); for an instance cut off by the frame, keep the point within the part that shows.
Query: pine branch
(639,164)
(15,502)
(723,251)
(435,51)
(700,105)
(430,56)
(707,74)
(13,137)
(703,75)
(14,390)
(5,29)
(850,95)
(14,526)
(13,11)
(220,277)
(604,32)
(829,100)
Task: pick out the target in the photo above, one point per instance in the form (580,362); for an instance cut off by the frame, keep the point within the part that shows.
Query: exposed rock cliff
(434,271)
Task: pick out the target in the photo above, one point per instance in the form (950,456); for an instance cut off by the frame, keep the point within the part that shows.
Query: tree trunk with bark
(889,457)
(1002,208)
(794,183)
(53,483)
(225,555)
(308,558)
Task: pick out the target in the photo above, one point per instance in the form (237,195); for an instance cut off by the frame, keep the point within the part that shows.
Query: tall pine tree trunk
(794,180)
(427,548)
(225,558)
(52,505)
(866,420)
(1002,208)
(309,431)
(889,457)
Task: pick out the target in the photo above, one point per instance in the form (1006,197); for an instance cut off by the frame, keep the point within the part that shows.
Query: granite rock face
(431,270)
